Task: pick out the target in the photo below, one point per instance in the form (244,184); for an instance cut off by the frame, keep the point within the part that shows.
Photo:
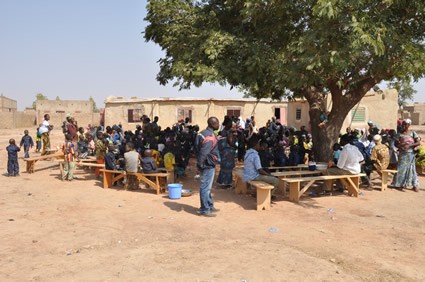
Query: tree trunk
(324,137)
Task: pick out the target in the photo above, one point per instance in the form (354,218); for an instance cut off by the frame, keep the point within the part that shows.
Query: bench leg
(240,186)
(158,187)
(263,199)
(352,185)
(294,192)
(107,180)
(384,184)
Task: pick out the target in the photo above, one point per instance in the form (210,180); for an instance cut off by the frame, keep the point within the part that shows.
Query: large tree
(293,48)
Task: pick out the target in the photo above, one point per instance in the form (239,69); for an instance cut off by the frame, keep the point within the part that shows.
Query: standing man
(44,130)
(206,145)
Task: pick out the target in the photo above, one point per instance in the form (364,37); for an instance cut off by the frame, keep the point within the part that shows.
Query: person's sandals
(416,189)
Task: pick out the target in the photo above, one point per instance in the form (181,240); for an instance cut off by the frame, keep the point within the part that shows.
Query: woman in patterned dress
(406,175)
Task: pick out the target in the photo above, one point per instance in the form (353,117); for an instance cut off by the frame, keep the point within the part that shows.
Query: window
(298,114)
(134,115)
(233,113)
(182,114)
(60,112)
(358,115)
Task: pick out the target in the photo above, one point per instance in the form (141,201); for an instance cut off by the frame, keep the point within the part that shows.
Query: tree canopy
(269,46)
(278,48)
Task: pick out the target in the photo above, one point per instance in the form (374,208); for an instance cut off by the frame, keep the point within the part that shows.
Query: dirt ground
(77,231)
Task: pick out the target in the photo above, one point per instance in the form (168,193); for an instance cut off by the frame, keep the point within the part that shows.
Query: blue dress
(227,162)
(406,169)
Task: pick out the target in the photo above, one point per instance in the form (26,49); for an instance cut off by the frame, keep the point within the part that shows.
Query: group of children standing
(12,152)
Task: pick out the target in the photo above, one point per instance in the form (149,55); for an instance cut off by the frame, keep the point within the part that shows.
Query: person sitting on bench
(349,160)
(380,155)
(252,165)
(131,158)
(148,163)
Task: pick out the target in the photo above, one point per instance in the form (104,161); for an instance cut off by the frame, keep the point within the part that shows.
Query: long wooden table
(289,174)
(110,176)
(351,181)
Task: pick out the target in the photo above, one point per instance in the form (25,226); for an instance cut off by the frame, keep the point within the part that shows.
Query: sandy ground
(77,231)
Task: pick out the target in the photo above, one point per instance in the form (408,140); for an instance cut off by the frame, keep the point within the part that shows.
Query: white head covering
(377,137)
(408,121)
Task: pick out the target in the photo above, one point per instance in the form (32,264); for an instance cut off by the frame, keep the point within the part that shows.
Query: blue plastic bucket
(175,190)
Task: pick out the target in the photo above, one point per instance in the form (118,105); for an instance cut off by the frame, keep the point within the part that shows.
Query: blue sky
(81,48)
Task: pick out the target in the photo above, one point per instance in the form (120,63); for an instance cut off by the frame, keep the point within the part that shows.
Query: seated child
(12,161)
(265,156)
(148,163)
(131,158)
(82,146)
(91,147)
(110,158)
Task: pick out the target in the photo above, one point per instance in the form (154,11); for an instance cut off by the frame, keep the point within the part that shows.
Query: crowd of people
(149,148)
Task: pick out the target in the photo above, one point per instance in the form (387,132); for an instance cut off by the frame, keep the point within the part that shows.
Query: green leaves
(271,48)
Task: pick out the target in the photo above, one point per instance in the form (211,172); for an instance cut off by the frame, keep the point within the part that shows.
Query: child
(265,156)
(69,158)
(27,142)
(110,158)
(148,163)
(38,141)
(91,147)
(82,146)
(100,151)
(131,158)
(12,161)
(336,152)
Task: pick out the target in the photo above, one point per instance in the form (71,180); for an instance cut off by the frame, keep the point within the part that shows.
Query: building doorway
(280,114)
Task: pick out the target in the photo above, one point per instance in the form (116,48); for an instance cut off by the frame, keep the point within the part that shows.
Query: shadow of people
(179,207)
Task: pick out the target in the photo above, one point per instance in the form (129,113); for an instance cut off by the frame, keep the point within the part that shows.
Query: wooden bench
(286,168)
(289,174)
(299,167)
(83,164)
(157,184)
(31,161)
(350,181)
(109,179)
(87,160)
(264,194)
(385,173)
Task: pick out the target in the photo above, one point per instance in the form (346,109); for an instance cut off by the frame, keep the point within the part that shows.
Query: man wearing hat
(373,129)
(380,155)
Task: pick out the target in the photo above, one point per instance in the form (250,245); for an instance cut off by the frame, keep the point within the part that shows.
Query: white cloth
(44,127)
(350,159)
